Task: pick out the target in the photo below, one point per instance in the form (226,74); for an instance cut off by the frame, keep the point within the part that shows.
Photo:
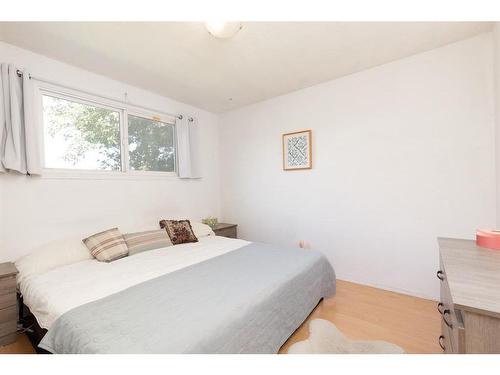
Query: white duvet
(51,294)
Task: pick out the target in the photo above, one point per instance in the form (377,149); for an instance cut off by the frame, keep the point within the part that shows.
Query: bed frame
(30,326)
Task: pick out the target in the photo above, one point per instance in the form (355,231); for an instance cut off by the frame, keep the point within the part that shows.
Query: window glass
(151,145)
(80,136)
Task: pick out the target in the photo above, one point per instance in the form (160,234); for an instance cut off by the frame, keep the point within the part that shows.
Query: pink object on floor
(488,238)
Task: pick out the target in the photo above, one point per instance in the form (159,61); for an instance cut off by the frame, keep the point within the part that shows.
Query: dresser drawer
(8,327)
(445,294)
(8,339)
(227,232)
(453,330)
(7,285)
(445,339)
(8,314)
(452,326)
(447,309)
(8,300)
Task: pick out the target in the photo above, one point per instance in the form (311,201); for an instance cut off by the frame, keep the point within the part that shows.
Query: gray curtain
(19,141)
(187,148)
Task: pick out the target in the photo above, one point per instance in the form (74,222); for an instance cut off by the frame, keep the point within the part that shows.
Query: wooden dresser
(8,303)
(470,297)
(225,230)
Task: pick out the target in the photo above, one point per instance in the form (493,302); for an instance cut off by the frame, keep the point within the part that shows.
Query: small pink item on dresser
(488,238)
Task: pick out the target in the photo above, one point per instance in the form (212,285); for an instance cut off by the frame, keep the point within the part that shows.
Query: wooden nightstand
(8,303)
(225,230)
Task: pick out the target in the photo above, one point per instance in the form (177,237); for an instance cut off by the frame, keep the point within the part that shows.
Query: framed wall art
(297,150)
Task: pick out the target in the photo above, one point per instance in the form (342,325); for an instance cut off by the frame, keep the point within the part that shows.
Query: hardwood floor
(366,313)
(360,312)
(21,346)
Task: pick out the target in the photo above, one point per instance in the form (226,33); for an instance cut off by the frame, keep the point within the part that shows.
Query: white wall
(496,49)
(35,210)
(403,153)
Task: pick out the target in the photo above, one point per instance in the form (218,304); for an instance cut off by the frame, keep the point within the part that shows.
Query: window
(150,145)
(102,136)
(80,136)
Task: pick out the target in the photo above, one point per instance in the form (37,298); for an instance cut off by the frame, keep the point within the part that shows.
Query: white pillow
(52,255)
(201,230)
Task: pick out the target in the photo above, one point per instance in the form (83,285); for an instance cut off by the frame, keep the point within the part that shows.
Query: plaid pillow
(107,246)
(179,231)
(143,241)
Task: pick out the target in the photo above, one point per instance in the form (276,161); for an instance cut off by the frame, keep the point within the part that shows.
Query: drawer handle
(439,275)
(441,339)
(447,312)
(440,308)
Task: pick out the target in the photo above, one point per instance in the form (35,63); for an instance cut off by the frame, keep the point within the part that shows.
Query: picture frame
(297,150)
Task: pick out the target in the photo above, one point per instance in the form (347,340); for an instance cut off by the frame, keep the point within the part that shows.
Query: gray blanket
(247,301)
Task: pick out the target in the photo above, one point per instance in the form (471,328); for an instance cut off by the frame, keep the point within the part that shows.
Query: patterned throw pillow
(179,231)
(107,246)
(149,240)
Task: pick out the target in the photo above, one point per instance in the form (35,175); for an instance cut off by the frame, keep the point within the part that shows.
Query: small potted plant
(210,221)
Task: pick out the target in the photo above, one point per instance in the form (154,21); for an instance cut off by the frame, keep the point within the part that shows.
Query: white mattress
(55,292)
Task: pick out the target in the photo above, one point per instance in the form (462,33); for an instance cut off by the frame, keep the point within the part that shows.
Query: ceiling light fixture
(223,30)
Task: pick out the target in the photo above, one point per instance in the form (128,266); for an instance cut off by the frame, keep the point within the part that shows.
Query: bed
(218,295)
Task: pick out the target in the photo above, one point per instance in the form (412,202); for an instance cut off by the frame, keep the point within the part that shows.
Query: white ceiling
(265,59)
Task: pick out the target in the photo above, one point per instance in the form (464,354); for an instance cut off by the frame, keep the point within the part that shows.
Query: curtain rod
(180,117)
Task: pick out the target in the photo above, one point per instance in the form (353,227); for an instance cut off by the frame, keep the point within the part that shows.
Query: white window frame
(42,88)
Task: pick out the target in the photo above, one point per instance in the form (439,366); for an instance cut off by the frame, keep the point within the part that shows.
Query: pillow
(179,231)
(201,230)
(149,240)
(107,246)
(52,255)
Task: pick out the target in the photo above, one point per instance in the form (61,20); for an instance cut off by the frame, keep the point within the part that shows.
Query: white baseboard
(386,287)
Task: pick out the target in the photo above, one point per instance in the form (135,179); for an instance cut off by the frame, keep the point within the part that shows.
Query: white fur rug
(325,338)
